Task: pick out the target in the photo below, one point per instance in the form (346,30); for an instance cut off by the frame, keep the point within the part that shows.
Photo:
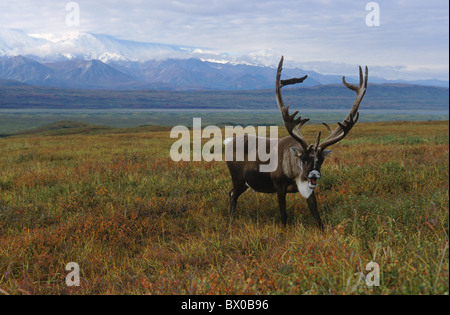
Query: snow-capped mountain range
(76,45)
(84,60)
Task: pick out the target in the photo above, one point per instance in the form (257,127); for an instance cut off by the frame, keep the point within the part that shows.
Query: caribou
(299,163)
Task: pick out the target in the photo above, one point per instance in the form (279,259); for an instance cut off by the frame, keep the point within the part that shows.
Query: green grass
(138,223)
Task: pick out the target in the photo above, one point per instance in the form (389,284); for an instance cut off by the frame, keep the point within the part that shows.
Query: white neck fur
(303,187)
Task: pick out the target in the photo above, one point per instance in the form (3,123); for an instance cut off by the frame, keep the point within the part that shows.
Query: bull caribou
(299,163)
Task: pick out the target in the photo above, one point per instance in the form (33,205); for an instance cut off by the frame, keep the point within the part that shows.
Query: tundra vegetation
(136,222)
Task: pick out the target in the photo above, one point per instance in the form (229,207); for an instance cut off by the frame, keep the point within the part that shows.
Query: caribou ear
(296,151)
(326,153)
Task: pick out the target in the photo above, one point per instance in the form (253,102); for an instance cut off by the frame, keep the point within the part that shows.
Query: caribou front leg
(312,204)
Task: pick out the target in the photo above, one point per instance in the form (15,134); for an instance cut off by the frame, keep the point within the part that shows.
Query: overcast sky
(411,40)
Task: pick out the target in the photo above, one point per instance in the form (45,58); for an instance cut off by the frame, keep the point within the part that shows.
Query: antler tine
(293,125)
(352,118)
(327,126)
(316,147)
(361,78)
(362,81)
(366,77)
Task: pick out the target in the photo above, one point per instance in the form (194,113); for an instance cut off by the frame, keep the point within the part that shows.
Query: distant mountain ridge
(170,74)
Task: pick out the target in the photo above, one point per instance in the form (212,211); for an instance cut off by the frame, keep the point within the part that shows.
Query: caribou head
(310,157)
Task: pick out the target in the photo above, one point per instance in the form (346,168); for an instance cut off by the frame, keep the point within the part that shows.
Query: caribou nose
(314,174)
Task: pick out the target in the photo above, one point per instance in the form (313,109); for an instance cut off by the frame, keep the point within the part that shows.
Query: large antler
(292,124)
(344,127)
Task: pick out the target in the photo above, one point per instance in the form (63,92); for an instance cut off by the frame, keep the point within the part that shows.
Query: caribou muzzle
(313,176)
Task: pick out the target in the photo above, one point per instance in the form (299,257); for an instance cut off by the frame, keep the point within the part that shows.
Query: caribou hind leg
(281,194)
(239,187)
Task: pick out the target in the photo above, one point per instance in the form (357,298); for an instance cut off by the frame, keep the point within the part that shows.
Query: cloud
(413,34)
